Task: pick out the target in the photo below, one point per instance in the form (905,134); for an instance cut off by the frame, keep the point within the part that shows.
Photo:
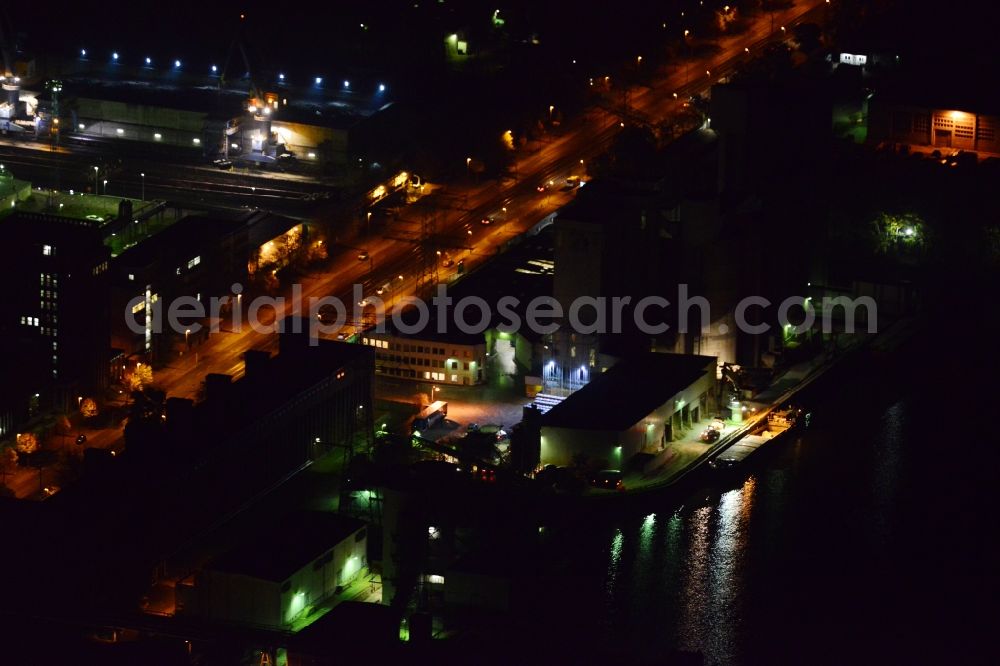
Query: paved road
(393,252)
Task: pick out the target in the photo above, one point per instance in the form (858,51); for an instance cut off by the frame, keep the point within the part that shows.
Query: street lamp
(368,223)
(143,177)
(105,186)
(96,191)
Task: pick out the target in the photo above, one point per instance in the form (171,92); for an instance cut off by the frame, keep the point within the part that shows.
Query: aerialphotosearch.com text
(328,316)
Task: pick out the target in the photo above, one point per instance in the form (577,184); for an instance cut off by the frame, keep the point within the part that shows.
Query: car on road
(384,288)
(709,435)
(607,479)
(486,221)
(327,314)
(364,302)
(363,255)
(486,475)
(81,440)
(225,165)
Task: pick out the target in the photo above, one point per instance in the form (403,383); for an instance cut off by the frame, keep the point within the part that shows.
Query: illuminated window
(48,250)
(138,307)
(194,262)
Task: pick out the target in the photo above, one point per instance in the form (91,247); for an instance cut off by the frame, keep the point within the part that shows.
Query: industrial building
(447,358)
(640,404)
(56,314)
(199,256)
(273,579)
(255,127)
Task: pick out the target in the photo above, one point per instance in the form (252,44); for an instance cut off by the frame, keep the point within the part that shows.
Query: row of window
(414,348)
(34,323)
(413,374)
(424,362)
(99,268)
(48,279)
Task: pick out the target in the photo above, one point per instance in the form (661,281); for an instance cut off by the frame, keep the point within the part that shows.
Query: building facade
(429,357)
(939,128)
(57,309)
(276,579)
(641,404)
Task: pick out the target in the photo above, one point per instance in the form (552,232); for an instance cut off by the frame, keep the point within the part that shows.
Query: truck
(430,415)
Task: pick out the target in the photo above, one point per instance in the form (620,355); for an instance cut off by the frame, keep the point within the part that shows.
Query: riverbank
(692,456)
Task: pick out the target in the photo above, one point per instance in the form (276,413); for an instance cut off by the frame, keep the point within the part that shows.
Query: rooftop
(298,367)
(524,271)
(312,107)
(295,541)
(947,93)
(450,333)
(631,389)
(184,236)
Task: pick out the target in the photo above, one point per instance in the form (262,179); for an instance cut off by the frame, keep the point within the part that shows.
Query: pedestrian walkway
(676,457)
(366,588)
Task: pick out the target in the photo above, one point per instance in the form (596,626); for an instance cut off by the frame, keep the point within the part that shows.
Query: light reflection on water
(691,564)
(857,529)
(616,556)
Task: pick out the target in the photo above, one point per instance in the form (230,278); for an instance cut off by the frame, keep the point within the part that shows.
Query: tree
(8,462)
(27,443)
(140,377)
(88,408)
(898,233)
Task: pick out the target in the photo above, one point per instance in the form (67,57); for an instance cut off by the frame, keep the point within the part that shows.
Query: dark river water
(869,538)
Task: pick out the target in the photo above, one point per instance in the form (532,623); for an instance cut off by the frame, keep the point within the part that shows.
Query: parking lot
(484,405)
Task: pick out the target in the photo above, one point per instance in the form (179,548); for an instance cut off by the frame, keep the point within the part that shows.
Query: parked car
(709,435)
(363,255)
